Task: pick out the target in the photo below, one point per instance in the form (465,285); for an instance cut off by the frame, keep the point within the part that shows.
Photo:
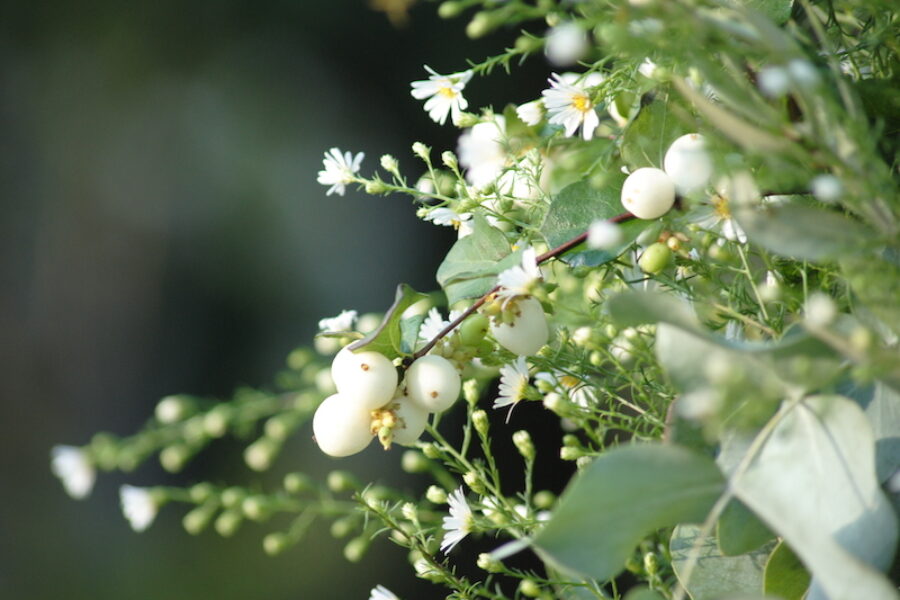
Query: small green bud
(449,160)
(466,120)
(448,10)
(481,422)
(256,508)
(489,563)
(356,549)
(655,258)
(522,440)
(570,453)
(275,543)
(341,481)
(584,462)
(215,422)
(422,151)
(294,483)
(299,358)
(409,511)
(342,527)
(529,588)
(228,522)
(473,329)
(173,409)
(481,24)
(201,492)
(280,426)
(232,497)
(473,480)
(596,358)
(544,499)
(528,44)
(390,164)
(470,391)
(196,520)
(260,454)
(375,187)
(436,495)
(174,457)
(413,461)
(431,451)
(651,564)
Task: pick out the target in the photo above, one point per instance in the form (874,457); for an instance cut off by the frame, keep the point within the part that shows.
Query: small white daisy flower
(520,279)
(379,592)
(444,94)
(74,469)
(531,113)
(138,506)
(340,170)
(717,217)
(460,523)
(513,383)
(343,322)
(570,105)
(447,217)
(434,323)
(577,390)
(482,151)
(603,235)
(566,44)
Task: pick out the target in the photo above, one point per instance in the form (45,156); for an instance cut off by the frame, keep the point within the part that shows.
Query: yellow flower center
(568,381)
(581,103)
(720,207)
(447,92)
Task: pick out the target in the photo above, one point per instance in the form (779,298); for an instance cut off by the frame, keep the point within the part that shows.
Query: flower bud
(390,164)
(201,492)
(489,563)
(228,522)
(448,10)
(431,451)
(375,187)
(174,457)
(275,543)
(436,495)
(466,120)
(651,564)
(544,499)
(522,440)
(570,453)
(172,409)
(195,521)
(473,480)
(422,151)
(449,160)
(256,508)
(215,422)
(341,481)
(410,511)
(414,462)
(260,454)
(294,483)
(529,588)
(342,527)
(232,497)
(470,391)
(356,549)
(481,24)
(480,421)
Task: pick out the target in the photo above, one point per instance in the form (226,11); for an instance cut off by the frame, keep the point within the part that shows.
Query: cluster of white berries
(371,402)
(649,193)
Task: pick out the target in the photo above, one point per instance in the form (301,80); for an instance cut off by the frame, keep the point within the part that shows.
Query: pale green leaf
(387,338)
(624,495)
(785,576)
(739,530)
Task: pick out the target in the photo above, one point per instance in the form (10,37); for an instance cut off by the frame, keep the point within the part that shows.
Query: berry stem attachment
(552,253)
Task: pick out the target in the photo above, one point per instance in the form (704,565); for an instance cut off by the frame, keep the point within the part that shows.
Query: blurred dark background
(162,231)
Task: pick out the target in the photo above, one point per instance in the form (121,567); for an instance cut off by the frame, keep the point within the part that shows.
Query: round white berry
(688,163)
(433,383)
(341,427)
(528,331)
(648,193)
(367,379)
(411,420)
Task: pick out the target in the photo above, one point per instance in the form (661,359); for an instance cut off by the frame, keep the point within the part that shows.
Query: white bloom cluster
(75,469)
(570,105)
(340,170)
(139,506)
(442,94)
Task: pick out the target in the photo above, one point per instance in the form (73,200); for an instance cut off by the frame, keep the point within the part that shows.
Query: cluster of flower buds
(371,401)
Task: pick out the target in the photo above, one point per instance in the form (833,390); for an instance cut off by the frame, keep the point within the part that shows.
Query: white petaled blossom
(513,383)
(75,469)
(138,506)
(343,322)
(570,105)
(577,390)
(443,93)
(340,170)
(434,323)
(717,217)
(447,217)
(379,592)
(460,523)
(482,151)
(531,113)
(520,279)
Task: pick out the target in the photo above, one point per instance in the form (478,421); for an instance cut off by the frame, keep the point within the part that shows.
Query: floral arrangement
(684,250)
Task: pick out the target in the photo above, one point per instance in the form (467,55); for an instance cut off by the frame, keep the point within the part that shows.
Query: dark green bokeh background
(162,231)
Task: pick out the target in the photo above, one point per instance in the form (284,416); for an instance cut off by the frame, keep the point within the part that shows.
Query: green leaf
(785,576)
(814,484)
(642,593)
(639,307)
(882,407)
(778,11)
(739,530)
(876,281)
(409,333)
(646,139)
(471,267)
(624,495)
(387,338)
(715,576)
(803,232)
(574,209)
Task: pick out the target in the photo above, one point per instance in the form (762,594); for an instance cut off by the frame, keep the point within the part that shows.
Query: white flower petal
(74,469)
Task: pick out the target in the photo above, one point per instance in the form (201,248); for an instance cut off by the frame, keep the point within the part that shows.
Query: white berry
(366,379)
(411,420)
(528,331)
(433,383)
(341,427)
(688,163)
(648,193)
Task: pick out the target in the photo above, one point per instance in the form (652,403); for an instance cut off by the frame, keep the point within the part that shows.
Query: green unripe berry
(655,258)
(473,329)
